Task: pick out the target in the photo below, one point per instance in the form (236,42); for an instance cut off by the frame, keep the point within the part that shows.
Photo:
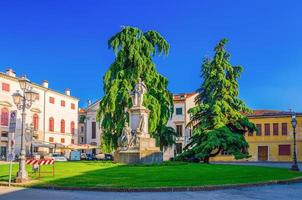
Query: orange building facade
(274,139)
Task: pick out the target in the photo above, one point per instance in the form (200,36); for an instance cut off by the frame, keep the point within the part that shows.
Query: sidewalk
(262,164)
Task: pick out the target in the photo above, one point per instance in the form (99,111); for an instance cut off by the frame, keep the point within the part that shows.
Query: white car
(59,158)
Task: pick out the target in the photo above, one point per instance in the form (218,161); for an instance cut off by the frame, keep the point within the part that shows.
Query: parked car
(91,157)
(58,157)
(83,156)
(104,157)
(108,157)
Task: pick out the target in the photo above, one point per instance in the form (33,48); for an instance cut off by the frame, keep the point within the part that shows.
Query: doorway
(262,153)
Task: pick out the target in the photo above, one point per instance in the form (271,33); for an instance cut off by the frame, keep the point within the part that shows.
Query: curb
(160,189)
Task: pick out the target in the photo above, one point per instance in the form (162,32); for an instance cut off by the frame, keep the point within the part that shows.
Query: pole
(295,164)
(22,173)
(10,172)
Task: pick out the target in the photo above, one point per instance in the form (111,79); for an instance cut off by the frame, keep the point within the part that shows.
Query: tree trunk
(206,160)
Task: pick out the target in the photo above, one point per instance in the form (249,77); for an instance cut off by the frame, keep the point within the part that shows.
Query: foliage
(82,118)
(165,136)
(134,50)
(218,120)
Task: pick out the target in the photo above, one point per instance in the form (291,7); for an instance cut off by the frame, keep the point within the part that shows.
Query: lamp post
(23,101)
(294,124)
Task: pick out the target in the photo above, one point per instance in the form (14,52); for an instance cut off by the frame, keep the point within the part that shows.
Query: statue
(128,139)
(124,139)
(138,94)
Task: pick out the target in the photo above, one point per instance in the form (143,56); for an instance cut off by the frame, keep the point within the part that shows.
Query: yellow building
(274,140)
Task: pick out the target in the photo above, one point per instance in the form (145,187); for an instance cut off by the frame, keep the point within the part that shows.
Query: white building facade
(92,128)
(53,117)
(179,121)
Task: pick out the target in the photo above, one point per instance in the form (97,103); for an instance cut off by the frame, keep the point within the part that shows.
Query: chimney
(67,91)
(10,72)
(45,83)
(89,102)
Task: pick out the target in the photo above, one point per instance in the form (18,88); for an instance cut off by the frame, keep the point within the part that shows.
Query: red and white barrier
(40,162)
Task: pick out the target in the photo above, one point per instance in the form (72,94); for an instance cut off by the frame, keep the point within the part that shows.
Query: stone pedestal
(146,153)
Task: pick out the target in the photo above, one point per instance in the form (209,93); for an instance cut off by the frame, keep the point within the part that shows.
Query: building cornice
(38,86)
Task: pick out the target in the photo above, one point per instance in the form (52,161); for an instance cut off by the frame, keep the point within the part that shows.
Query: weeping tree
(134,51)
(218,119)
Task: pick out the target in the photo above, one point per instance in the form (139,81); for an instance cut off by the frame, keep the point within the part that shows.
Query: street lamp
(23,101)
(294,124)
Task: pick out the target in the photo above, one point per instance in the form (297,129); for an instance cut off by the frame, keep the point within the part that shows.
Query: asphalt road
(273,192)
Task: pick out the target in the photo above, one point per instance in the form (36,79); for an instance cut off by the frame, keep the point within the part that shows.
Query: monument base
(147,153)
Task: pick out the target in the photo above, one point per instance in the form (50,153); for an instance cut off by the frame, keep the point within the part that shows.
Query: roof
(271,113)
(183,96)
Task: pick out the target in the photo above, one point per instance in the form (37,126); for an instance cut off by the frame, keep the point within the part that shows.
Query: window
(4,134)
(36,121)
(259,129)
(51,124)
(284,128)
(50,139)
(62,103)
(267,130)
(72,127)
(52,100)
(72,106)
(4,116)
(82,140)
(284,150)
(82,129)
(93,128)
(178,111)
(178,148)
(36,149)
(72,141)
(275,129)
(37,97)
(62,126)
(63,140)
(179,130)
(5,87)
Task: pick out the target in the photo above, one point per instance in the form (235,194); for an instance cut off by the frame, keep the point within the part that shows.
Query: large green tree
(218,119)
(134,51)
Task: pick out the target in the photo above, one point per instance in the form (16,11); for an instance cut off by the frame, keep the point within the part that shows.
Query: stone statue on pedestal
(135,143)
(138,94)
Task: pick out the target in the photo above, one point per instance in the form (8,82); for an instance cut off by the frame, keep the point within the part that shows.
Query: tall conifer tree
(218,119)
(134,50)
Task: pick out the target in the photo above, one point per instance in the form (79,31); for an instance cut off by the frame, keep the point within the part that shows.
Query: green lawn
(100,174)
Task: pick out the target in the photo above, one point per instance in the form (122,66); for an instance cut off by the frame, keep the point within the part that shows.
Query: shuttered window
(259,129)
(284,128)
(267,130)
(93,134)
(275,129)
(284,150)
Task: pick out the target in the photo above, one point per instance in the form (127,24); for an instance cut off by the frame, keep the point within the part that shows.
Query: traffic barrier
(41,162)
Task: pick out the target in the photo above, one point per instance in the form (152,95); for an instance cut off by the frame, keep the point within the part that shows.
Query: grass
(107,174)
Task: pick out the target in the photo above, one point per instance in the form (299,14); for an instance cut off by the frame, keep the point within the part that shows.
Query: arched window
(72,127)
(4,116)
(62,126)
(36,121)
(51,124)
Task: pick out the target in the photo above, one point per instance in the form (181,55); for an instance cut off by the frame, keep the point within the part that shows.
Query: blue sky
(65,42)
